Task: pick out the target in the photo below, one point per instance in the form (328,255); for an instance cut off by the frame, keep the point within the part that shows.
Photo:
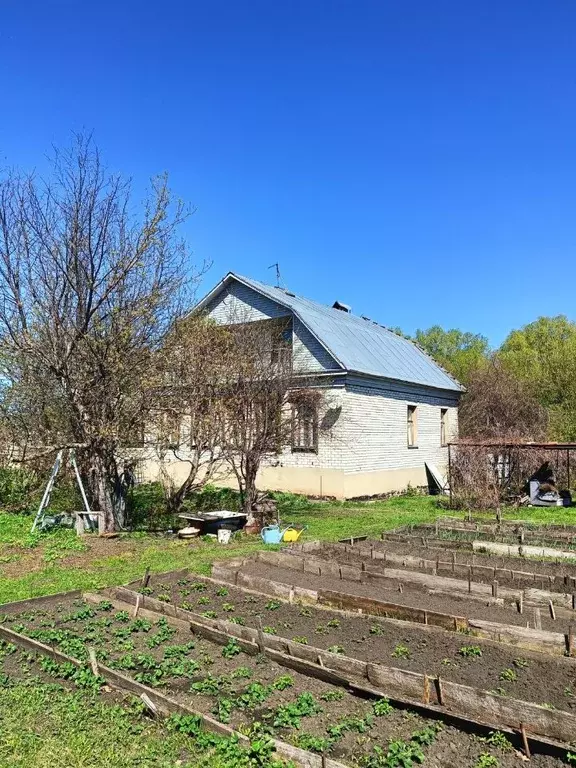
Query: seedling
(122,616)
(470,651)
(332,695)
(241,672)
(228,607)
(497,739)
(382,707)
(321,629)
(205,600)
(508,675)
(198,586)
(182,582)
(210,615)
(376,629)
(269,630)
(486,760)
(571,758)
(313,743)
(299,639)
(231,649)
(283,682)
(272,605)
(335,649)
(333,623)
(401,652)
(238,620)
(222,592)
(305,611)
(146,591)
(164,598)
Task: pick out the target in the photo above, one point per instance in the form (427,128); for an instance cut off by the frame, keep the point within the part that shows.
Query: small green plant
(508,675)
(238,620)
(210,615)
(198,586)
(300,639)
(269,630)
(470,651)
(272,605)
(228,607)
(164,598)
(231,649)
(333,623)
(335,695)
(401,652)
(313,743)
(222,592)
(204,600)
(571,758)
(283,682)
(146,591)
(382,707)
(122,616)
(321,629)
(521,663)
(497,739)
(305,612)
(335,649)
(486,760)
(290,715)
(376,629)
(241,672)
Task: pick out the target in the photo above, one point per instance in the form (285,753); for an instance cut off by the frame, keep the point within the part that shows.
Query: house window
(304,427)
(443,426)
(412,427)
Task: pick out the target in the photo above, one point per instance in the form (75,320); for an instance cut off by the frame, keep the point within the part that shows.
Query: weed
(470,651)
(401,652)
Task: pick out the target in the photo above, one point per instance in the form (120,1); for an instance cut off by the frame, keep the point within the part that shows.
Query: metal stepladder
(50,485)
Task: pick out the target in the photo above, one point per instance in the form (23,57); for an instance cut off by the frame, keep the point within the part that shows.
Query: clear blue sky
(414,159)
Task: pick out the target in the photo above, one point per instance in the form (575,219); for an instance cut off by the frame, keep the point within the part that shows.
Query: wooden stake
(495,589)
(521,602)
(525,741)
(291,595)
(261,641)
(570,639)
(146,577)
(537,619)
(552,611)
(137,606)
(453,561)
(574,601)
(440,691)
(320,662)
(93,662)
(469,578)
(426,694)
(400,588)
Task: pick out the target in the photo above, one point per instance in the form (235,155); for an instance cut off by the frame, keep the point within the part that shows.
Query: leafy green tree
(543,355)
(461,353)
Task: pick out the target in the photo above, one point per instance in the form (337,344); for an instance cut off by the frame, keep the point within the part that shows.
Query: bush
(18,487)
(211,498)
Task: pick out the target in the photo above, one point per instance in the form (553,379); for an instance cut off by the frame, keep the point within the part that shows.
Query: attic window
(342,307)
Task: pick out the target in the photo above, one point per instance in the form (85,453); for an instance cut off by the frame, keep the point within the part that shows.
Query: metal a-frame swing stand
(81,516)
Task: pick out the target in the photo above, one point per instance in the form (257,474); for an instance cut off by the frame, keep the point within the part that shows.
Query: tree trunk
(107,491)
(249,492)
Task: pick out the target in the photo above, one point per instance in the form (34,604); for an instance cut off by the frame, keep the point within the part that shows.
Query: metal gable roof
(359,345)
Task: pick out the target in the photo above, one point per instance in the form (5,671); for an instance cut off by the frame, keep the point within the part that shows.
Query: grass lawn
(50,727)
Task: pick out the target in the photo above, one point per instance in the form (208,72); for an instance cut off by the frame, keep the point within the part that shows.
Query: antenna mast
(277,266)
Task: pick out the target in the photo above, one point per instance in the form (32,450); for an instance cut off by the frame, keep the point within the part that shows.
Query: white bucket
(224,535)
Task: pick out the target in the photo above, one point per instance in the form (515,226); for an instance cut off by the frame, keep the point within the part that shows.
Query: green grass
(47,727)
(330,521)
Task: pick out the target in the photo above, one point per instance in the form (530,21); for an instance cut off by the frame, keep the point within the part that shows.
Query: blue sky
(414,159)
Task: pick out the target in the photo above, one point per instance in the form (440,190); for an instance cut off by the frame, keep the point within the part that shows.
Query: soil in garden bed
(456,605)
(532,538)
(524,564)
(454,656)
(240,689)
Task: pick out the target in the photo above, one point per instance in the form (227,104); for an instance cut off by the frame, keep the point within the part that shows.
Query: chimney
(342,307)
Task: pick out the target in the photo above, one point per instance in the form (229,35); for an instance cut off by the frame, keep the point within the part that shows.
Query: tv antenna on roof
(277,273)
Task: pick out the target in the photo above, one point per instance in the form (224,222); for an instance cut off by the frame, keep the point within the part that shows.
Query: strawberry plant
(335,649)
(231,649)
(222,592)
(382,707)
(486,760)
(283,682)
(269,630)
(198,586)
(401,652)
(334,695)
(122,616)
(238,620)
(333,623)
(204,600)
(164,598)
(299,639)
(497,739)
(508,675)
(241,672)
(290,715)
(210,615)
(313,743)
(272,605)
(228,607)
(470,651)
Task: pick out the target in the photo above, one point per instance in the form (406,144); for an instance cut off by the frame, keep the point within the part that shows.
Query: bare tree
(89,286)
(186,421)
(268,405)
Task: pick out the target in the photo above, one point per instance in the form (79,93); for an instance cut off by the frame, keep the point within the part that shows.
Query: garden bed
(455,656)
(239,689)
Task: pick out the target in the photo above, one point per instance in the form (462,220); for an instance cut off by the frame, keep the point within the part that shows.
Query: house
(388,407)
